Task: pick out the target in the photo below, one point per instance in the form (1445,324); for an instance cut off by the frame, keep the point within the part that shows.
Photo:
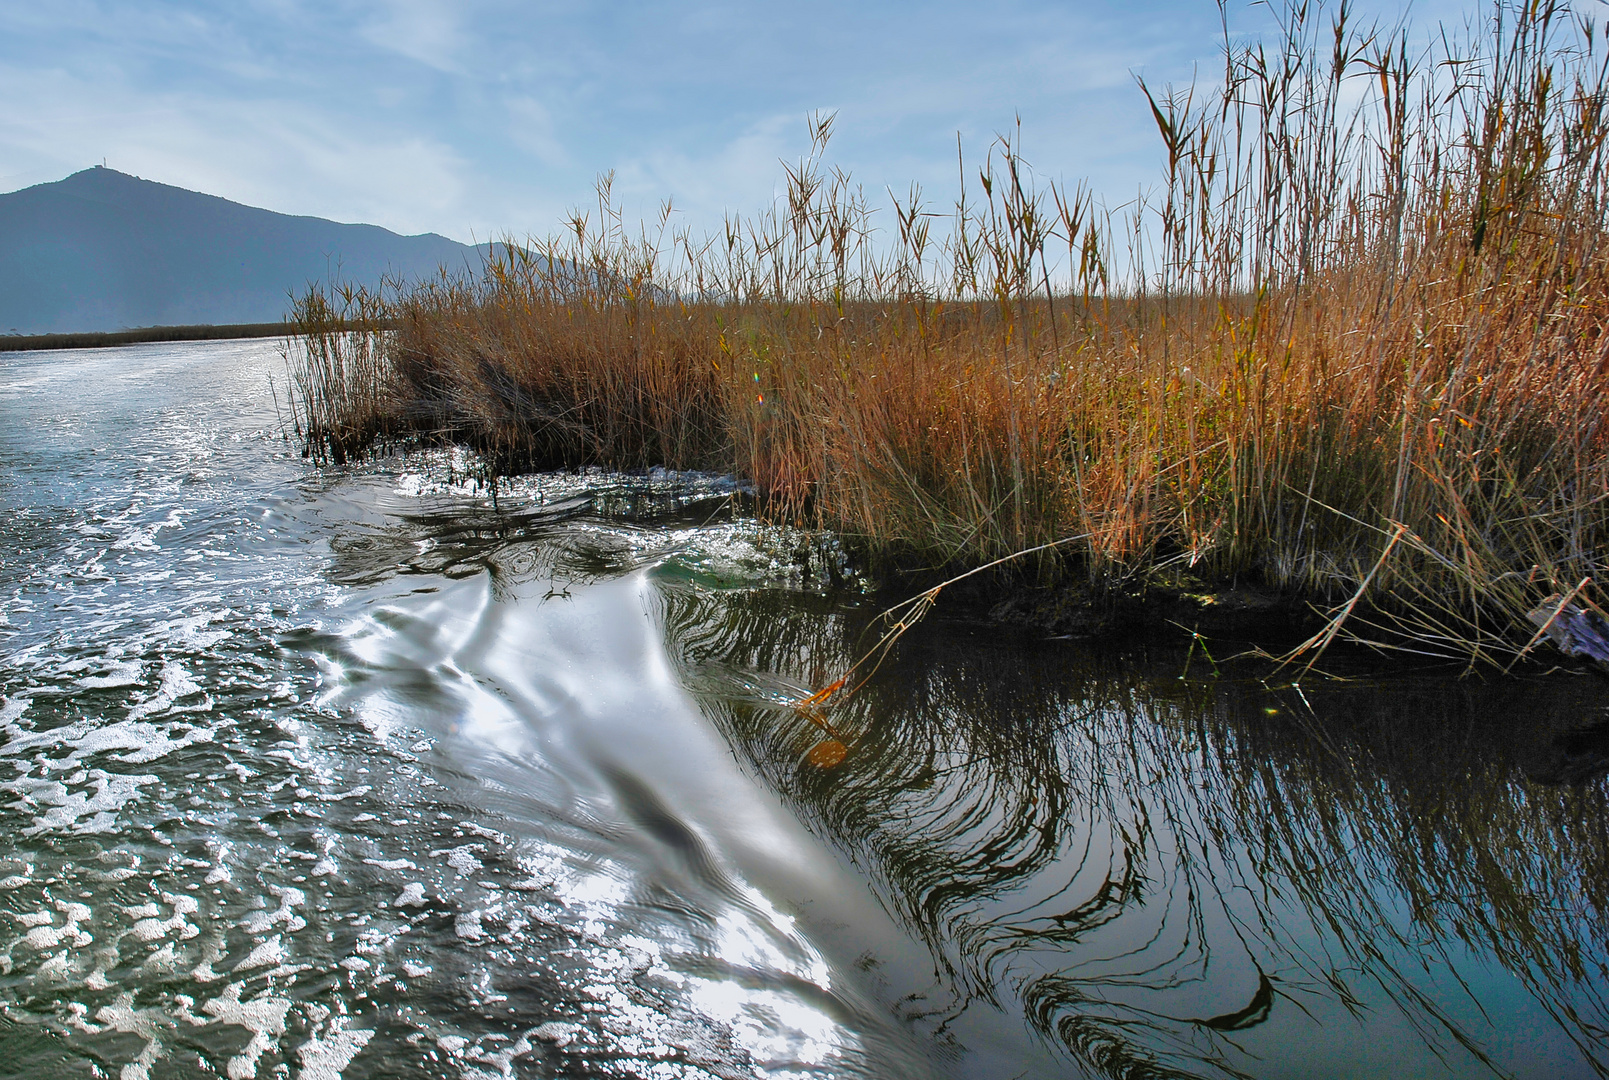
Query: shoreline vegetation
(141,335)
(1348,356)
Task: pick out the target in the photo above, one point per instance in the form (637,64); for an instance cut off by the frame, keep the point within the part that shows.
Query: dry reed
(1352,348)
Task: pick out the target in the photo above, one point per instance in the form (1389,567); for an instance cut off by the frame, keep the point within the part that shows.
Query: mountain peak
(103,250)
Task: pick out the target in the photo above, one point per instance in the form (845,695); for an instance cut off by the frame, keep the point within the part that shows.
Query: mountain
(102,250)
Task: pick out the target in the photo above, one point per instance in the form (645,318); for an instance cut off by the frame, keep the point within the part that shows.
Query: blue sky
(474,118)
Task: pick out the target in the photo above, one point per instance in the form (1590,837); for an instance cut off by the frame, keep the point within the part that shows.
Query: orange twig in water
(822,695)
(914,609)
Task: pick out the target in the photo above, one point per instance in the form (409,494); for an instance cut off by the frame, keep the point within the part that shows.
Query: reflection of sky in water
(234,841)
(544,711)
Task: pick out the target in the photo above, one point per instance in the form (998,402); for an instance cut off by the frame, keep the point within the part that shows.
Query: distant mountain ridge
(102,250)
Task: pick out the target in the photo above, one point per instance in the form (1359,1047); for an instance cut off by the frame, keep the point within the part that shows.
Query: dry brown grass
(1353,350)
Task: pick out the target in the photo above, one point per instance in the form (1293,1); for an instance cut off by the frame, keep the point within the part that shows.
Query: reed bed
(1351,348)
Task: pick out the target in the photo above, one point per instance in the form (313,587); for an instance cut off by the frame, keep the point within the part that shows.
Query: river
(354,772)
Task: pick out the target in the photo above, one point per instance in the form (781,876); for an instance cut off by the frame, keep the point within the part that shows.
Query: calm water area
(348,772)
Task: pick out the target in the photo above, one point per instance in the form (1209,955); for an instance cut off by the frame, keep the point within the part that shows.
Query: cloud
(279,154)
(531,127)
(428,31)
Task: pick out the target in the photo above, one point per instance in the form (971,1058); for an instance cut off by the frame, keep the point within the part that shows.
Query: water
(350,773)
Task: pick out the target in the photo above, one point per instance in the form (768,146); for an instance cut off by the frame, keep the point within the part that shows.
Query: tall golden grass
(1351,347)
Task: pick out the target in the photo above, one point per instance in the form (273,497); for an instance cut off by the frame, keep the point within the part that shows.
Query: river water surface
(321,773)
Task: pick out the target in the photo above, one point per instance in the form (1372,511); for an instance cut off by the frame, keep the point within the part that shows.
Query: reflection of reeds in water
(582,534)
(1151,868)
(1435,819)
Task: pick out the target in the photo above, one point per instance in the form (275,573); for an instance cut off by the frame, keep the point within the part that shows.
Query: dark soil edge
(142,335)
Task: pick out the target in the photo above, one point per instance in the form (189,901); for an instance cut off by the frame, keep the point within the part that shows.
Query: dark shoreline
(142,335)
(1075,610)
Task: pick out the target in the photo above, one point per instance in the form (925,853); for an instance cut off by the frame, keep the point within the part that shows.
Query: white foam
(121,1016)
(360,790)
(467,926)
(44,935)
(558,1033)
(189,631)
(138,540)
(151,928)
(264,1017)
(391,864)
(144,742)
(269,952)
(123,673)
(483,832)
(67,809)
(56,968)
(176,684)
(203,972)
(260,922)
(325,1057)
(12,710)
(162,960)
(462,858)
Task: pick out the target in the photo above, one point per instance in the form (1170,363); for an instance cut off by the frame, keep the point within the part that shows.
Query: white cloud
(278,154)
(531,127)
(737,174)
(428,31)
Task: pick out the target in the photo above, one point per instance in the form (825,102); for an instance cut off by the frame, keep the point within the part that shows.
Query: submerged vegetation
(1351,349)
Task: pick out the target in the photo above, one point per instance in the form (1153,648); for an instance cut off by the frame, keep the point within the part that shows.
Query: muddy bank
(1077,610)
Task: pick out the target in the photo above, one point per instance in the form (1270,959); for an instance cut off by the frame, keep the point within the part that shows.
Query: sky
(483,118)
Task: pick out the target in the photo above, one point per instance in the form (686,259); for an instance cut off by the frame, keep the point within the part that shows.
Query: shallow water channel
(319,773)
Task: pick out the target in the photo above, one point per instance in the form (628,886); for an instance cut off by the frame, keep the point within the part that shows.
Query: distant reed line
(1352,345)
(142,335)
